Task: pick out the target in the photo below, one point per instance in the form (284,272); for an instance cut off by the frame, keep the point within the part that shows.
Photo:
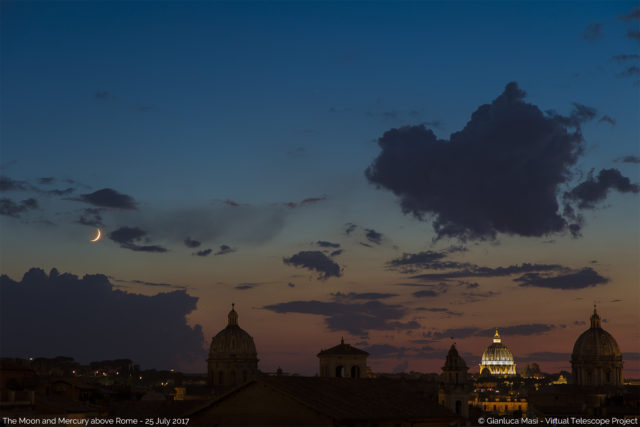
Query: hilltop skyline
(397,174)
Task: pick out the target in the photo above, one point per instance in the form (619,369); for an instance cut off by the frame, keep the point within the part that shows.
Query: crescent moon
(95,239)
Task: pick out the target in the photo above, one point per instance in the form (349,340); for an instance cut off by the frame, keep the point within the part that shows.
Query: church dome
(596,359)
(233,342)
(595,343)
(497,358)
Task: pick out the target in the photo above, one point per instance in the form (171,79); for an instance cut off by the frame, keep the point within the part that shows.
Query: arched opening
(339,371)
(355,372)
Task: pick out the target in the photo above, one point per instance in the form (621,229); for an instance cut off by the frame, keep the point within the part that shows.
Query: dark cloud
(145,283)
(317,261)
(624,58)
(474,193)
(631,355)
(306,202)
(349,228)
(633,34)
(190,243)
(203,252)
(472,270)
(91,217)
(46,180)
(128,238)
(245,286)
(231,203)
(10,208)
(355,318)
(425,293)
(584,278)
(336,252)
(633,15)
(607,119)
(102,94)
(108,198)
(90,320)
(8,184)
(588,193)
(291,285)
(373,236)
(630,71)
(225,249)
(478,296)
(592,32)
(628,159)
(363,295)
(505,331)
(383,351)
(325,244)
(410,263)
(440,310)
(366,245)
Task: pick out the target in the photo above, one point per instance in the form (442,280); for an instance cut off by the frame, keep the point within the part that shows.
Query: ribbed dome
(233,342)
(596,344)
(497,353)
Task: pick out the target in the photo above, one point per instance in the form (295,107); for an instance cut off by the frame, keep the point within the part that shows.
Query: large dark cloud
(317,261)
(90,320)
(129,238)
(108,198)
(355,318)
(10,208)
(584,278)
(500,174)
(588,193)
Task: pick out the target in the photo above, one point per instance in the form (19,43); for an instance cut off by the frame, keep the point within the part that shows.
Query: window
(340,371)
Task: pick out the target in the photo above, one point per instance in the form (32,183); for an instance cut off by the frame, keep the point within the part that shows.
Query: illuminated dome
(232,356)
(596,359)
(497,359)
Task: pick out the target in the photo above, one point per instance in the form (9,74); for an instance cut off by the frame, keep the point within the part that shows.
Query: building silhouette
(233,358)
(596,359)
(343,360)
(455,389)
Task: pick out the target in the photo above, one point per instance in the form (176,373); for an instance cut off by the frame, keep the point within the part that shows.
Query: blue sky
(214,117)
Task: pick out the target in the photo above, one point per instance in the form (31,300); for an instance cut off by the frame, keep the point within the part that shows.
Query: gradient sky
(222,147)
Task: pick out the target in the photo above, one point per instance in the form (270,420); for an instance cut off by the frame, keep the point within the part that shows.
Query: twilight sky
(399,174)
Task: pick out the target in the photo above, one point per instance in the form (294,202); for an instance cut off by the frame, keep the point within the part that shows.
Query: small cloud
(633,34)
(350,228)
(607,119)
(46,180)
(362,295)
(128,238)
(633,15)
(245,286)
(224,249)
(336,252)
(231,203)
(624,58)
(373,236)
(203,252)
(325,244)
(102,94)
(316,261)
(584,278)
(108,198)
(425,293)
(628,159)
(190,243)
(592,32)
(366,245)
(631,71)
(10,208)
(439,310)
(91,217)
(291,285)
(8,184)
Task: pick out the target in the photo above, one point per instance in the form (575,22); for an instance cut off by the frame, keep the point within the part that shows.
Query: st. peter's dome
(497,359)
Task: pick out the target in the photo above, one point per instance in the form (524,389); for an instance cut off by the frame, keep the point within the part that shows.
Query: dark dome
(233,342)
(595,344)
